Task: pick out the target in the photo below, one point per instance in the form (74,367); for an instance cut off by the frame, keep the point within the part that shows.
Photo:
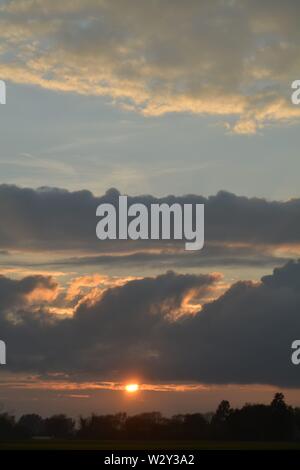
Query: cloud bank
(237,229)
(145,328)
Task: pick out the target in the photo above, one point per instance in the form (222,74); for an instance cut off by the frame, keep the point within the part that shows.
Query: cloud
(244,336)
(94,285)
(224,58)
(19,293)
(212,255)
(57,344)
(238,230)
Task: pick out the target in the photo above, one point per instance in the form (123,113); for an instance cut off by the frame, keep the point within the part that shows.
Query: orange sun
(132,388)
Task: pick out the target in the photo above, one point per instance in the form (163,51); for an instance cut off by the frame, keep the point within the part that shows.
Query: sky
(161,100)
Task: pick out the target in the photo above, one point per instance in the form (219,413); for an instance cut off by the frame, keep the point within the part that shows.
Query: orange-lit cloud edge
(20,381)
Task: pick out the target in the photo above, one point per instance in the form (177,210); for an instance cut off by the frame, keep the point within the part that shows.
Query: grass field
(146,445)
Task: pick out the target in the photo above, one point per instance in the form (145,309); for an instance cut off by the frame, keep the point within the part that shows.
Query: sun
(132,388)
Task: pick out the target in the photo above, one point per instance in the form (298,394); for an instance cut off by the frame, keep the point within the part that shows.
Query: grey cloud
(122,315)
(13,292)
(244,336)
(49,218)
(211,256)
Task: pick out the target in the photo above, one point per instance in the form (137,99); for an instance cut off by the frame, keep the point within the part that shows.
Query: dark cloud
(209,256)
(14,293)
(244,336)
(50,218)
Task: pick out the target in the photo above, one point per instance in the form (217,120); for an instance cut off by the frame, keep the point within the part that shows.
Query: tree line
(256,422)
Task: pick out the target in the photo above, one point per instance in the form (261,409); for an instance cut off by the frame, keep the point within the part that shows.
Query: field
(146,445)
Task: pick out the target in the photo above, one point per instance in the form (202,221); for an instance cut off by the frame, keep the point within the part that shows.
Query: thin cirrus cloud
(244,336)
(233,60)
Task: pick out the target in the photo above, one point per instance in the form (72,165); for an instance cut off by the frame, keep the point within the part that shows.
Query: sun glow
(132,388)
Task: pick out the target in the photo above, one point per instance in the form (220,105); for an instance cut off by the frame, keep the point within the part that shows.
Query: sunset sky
(161,100)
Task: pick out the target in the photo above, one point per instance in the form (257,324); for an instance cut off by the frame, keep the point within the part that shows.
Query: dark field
(145,445)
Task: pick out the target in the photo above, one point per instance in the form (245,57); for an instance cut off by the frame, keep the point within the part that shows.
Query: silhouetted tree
(101,427)
(282,419)
(278,402)
(32,425)
(255,422)
(145,426)
(189,426)
(251,422)
(59,426)
(219,422)
(7,426)
(296,420)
